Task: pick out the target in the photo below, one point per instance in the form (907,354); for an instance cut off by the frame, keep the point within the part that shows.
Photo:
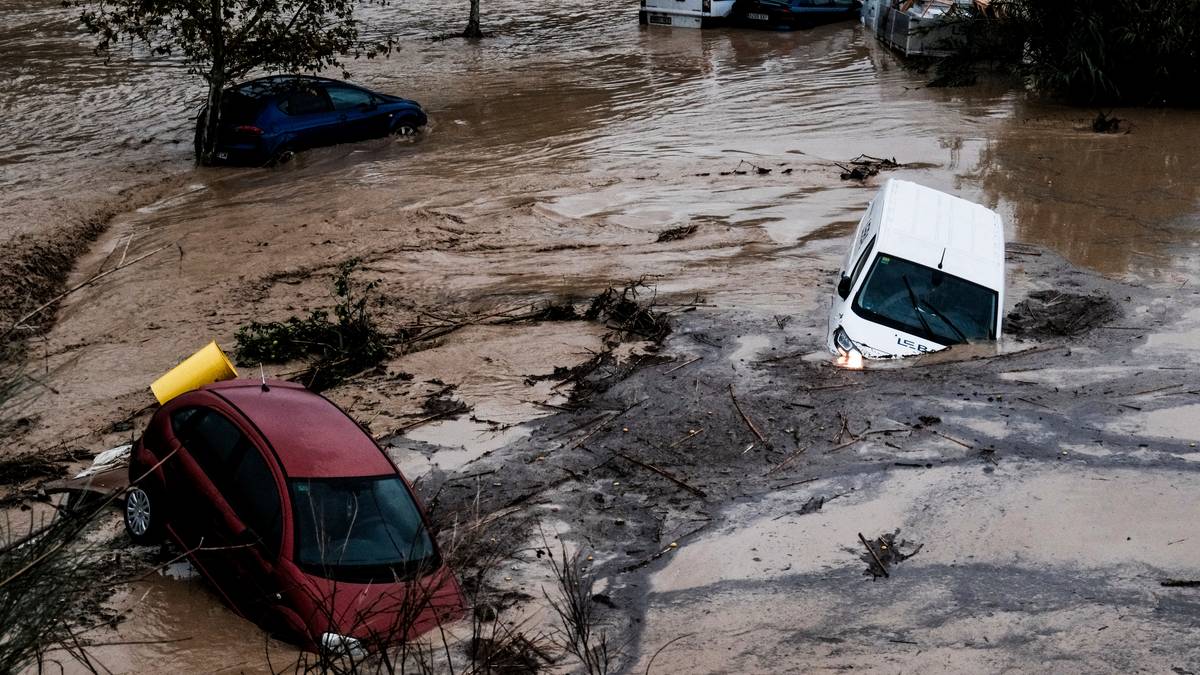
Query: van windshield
(926,302)
(360,529)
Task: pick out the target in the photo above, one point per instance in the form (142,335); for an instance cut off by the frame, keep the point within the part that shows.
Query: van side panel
(867,227)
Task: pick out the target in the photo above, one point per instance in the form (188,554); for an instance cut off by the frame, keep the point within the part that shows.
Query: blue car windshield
(360,529)
(926,302)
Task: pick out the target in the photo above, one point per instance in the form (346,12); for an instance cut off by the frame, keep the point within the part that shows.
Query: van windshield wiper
(916,305)
(945,319)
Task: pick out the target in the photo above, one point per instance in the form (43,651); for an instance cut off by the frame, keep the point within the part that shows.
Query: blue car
(268,120)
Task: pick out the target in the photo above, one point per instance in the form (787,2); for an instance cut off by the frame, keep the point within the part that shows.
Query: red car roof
(312,437)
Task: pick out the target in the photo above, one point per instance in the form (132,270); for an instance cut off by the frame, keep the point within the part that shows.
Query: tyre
(282,156)
(143,515)
(405,128)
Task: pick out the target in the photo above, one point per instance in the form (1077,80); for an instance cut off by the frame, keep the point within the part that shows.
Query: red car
(293,512)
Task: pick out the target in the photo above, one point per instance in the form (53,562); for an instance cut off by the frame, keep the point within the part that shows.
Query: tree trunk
(472,30)
(208,128)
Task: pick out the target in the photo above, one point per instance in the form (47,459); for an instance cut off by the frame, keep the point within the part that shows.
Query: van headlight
(334,644)
(849,355)
(843,342)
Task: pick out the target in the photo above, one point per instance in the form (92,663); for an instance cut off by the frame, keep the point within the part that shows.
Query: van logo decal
(913,345)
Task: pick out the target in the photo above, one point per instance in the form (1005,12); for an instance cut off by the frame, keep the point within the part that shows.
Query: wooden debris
(746,418)
(788,460)
(665,474)
(685,363)
(874,555)
(691,434)
(673,546)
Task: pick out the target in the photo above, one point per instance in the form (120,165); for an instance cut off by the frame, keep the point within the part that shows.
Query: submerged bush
(1131,51)
(349,343)
(1138,52)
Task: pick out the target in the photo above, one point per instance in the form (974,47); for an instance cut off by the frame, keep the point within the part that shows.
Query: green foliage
(1141,52)
(238,36)
(335,349)
(224,40)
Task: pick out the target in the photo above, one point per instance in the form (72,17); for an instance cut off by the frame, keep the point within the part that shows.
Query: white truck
(925,270)
(685,13)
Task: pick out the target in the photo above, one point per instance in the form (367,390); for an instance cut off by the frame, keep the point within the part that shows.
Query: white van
(685,13)
(925,271)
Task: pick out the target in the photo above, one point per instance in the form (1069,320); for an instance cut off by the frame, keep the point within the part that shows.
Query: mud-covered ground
(1049,495)
(1047,485)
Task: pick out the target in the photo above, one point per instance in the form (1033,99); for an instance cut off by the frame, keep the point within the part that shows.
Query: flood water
(581,90)
(572,136)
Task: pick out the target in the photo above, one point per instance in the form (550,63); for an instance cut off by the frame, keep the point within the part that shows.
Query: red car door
(257,517)
(209,464)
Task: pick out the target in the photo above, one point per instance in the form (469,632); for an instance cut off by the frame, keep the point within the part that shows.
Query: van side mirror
(843,287)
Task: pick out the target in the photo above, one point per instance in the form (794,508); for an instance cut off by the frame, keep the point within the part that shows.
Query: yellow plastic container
(207,365)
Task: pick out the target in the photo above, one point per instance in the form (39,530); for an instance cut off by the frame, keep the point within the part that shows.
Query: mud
(998,505)
(1059,314)
(567,155)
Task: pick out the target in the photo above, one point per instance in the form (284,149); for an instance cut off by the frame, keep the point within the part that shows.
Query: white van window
(926,302)
(862,260)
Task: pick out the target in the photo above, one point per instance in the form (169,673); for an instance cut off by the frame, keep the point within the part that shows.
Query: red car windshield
(360,529)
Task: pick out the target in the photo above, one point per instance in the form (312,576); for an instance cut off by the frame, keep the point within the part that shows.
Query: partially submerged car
(792,14)
(685,13)
(297,517)
(268,120)
(925,271)
(922,27)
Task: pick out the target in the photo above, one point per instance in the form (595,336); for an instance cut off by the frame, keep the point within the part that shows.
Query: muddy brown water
(557,151)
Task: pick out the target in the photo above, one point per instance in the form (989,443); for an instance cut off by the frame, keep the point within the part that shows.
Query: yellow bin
(207,365)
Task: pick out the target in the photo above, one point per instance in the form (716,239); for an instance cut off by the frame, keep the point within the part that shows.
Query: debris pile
(884,552)
(627,315)
(1059,314)
(1106,123)
(681,232)
(445,402)
(752,167)
(335,349)
(865,166)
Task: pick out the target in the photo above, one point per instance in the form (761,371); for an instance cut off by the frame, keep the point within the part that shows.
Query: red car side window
(212,441)
(254,497)
(236,468)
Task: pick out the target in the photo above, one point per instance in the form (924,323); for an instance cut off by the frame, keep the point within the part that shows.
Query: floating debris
(1106,123)
(884,552)
(675,233)
(1059,314)
(865,166)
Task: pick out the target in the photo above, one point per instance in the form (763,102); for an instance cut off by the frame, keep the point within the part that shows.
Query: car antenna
(943,258)
(263,375)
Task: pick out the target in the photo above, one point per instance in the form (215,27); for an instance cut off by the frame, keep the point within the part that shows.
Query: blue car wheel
(406,127)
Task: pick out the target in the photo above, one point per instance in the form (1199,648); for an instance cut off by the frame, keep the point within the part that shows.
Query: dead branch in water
(746,418)
(665,474)
(788,460)
(874,555)
(682,365)
(49,303)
